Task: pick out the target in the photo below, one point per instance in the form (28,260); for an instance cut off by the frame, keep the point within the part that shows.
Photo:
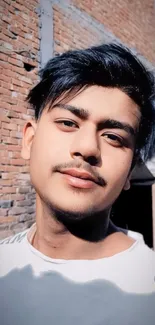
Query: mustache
(78,165)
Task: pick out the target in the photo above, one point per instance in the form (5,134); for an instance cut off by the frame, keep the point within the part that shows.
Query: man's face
(81,153)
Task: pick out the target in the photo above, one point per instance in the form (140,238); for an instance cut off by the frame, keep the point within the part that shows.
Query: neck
(68,241)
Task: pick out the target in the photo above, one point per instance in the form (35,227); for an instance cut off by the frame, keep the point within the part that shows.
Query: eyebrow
(84,114)
(114,124)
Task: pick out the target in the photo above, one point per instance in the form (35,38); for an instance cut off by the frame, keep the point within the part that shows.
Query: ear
(127,184)
(28,136)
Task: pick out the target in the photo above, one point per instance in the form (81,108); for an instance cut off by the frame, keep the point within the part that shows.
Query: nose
(85,145)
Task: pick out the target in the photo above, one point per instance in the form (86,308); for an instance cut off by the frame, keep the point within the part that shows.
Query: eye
(67,125)
(114,139)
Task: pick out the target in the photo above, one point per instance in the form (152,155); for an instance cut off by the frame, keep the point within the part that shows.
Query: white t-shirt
(38,290)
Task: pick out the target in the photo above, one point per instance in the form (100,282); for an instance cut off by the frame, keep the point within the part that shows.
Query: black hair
(107,65)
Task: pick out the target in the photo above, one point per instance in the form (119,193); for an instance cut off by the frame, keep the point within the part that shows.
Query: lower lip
(78,182)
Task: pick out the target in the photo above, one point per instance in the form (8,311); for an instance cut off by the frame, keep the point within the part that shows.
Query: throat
(70,244)
(69,247)
(67,235)
(91,227)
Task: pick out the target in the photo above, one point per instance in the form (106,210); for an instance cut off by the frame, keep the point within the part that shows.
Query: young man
(94,118)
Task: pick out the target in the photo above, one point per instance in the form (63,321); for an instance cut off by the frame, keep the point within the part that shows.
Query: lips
(79,178)
(80,174)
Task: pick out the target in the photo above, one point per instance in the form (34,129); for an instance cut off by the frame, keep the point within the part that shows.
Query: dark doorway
(133,210)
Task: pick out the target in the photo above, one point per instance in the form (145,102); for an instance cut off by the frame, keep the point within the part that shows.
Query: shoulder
(13,252)
(141,249)
(18,238)
(135,235)
(144,252)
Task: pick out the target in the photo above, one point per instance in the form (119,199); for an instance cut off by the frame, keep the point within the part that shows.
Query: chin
(73,205)
(86,224)
(73,210)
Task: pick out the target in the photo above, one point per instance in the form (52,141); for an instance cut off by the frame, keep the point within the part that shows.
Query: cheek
(118,167)
(49,148)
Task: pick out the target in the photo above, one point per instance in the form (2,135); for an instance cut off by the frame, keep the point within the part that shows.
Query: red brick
(3,57)
(5,65)
(14,154)
(23,176)
(9,73)
(134,24)
(17,162)
(4,118)
(24,203)
(5,161)
(4,78)
(7,220)
(13,148)
(17,5)
(6,85)
(20,109)
(17,135)
(8,140)
(12,114)
(17,210)
(3,37)
(25,169)
(3,212)
(27,80)
(19,121)
(24,190)
(7,168)
(11,9)
(5,182)
(9,190)
(15,62)
(10,175)
(17,82)
(9,126)
(5,132)
(17,197)
(3,153)
(5,105)
(17,69)
(10,100)
(30,112)
(6,19)
(4,91)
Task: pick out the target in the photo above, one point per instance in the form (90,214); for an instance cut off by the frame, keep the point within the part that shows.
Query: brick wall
(75,29)
(75,24)
(83,23)
(19,48)
(131,21)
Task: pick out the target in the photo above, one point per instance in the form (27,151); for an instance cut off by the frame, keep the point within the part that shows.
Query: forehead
(102,103)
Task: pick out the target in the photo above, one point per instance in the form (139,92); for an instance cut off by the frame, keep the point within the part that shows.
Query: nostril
(77,154)
(92,160)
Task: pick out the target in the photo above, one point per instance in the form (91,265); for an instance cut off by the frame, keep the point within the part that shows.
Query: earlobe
(28,136)
(127,184)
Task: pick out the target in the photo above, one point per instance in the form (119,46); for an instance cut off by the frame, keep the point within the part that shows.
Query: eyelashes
(113,138)
(67,125)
